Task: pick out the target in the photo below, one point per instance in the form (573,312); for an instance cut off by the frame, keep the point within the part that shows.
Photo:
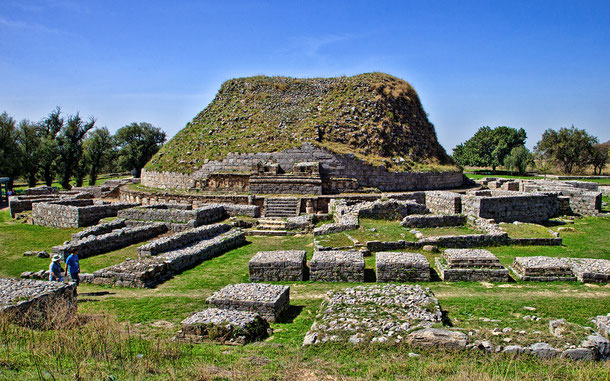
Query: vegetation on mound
(375,116)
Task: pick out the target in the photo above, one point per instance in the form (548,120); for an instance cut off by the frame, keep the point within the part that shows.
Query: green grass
(606,199)
(335,240)
(526,230)
(152,317)
(448,230)
(475,176)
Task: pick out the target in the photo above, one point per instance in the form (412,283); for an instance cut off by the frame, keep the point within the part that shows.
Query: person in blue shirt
(73,267)
(55,269)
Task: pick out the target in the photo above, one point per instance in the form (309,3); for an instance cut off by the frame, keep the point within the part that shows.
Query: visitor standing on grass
(55,269)
(73,267)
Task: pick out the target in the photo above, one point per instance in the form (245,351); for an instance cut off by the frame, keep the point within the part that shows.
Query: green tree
(98,150)
(137,143)
(518,160)
(599,157)
(489,146)
(10,158)
(48,152)
(70,146)
(29,140)
(570,148)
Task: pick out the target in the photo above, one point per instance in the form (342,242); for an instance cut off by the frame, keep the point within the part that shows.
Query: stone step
(269,232)
(271,227)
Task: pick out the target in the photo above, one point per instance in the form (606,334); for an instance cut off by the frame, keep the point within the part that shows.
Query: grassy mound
(375,116)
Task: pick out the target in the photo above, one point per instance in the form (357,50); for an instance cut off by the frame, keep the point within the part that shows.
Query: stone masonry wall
(74,213)
(181,239)
(440,202)
(331,165)
(525,208)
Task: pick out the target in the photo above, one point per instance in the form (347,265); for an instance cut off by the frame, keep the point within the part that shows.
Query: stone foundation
(443,202)
(37,304)
(75,213)
(267,300)
(543,269)
(170,213)
(589,270)
(337,266)
(457,265)
(503,206)
(433,220)
(182,239)
(275,266)
(402,267)
(223,326)
(115,240)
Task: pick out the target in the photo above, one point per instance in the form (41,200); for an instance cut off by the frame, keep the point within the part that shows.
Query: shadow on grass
(370,276)
(290,314)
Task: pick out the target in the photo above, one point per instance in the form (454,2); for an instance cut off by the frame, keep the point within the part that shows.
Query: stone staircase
(281,207)
(269,227)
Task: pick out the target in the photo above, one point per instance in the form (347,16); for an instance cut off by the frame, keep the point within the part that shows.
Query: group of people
(72,268)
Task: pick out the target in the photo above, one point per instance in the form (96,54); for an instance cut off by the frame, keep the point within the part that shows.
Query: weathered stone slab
(603,324)
(337,266)
(438,338)
(543,269)
(225,326)
(433,220)
(377,314)
(273,266)
(268,300)
(468,258)
(402,267)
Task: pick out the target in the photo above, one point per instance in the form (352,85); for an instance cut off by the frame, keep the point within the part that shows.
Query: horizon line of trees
(70,148)
(570,150)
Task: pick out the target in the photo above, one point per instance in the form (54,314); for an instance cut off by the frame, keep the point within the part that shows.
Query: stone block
(471,265)
(267,300)
(337,266)
(402,267)
(225,326)
(543,269)
(273,266)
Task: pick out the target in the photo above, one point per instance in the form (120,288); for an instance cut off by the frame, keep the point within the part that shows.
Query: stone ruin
(274,266)
(337,266)
(470,265)
(75,213)
(376,314)
(267,300)
(29,302)
(549,269)
(402,267)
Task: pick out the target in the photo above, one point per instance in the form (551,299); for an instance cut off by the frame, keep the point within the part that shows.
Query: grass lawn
(526,230)
(449,230)
(126,333)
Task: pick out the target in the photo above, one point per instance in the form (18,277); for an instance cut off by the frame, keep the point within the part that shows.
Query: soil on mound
(375,116)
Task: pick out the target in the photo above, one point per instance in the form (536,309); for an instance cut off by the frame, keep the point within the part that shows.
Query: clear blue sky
(530,64)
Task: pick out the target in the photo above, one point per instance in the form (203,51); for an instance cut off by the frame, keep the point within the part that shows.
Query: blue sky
(530,64)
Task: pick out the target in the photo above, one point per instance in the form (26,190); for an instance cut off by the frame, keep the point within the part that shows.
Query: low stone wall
(543,269)
(30,302)
(75,213)
(196,217)
(20,204)
(117,239)
(233,210)
(390,210)
(588,270)
(443,202)
(461,265)
(433,220)
(503,207)
(41,190)
(99,229)
(267,300)
(178,240)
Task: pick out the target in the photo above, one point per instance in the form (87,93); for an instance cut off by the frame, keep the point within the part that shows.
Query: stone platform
(224,326)
(590,270)
(376,314)
(36,303)
(337,266)
(470,265)
(273,266)
(543,269)
(402,267)
(268,300)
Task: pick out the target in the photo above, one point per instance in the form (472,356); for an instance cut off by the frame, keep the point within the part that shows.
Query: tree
(10,160)
(50,127)
(518,160)
(70,146)
(488,147)
(137,143)
(29,140)
(599,157)
(98,149)
(570,148)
